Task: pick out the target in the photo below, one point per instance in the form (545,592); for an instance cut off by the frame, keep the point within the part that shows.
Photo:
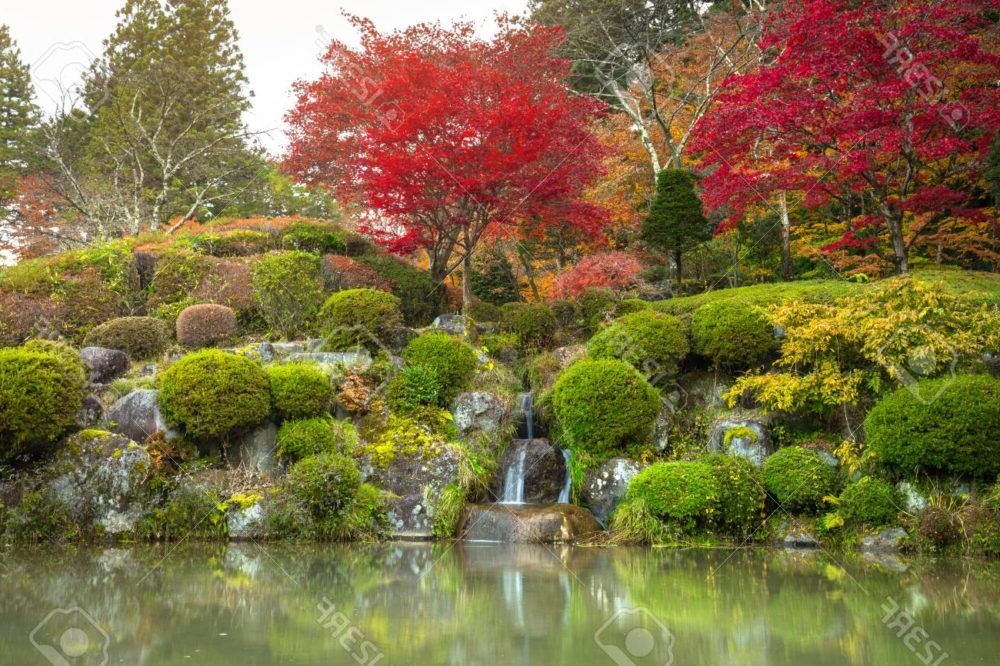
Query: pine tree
(675,222)
(19,116)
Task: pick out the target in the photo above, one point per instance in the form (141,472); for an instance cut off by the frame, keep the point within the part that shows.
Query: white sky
(281,40)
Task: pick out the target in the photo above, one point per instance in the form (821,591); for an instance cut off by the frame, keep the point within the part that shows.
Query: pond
(470,603)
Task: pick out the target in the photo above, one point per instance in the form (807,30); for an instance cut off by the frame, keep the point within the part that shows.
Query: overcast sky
(281,40)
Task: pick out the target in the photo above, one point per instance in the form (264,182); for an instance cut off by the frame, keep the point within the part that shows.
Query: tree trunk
(786,238)
(895,224)
(677,266)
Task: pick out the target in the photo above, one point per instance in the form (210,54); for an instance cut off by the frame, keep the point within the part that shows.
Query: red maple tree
(879,113)
(446,137)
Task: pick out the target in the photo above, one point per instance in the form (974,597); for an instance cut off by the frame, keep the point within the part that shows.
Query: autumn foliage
(618,271)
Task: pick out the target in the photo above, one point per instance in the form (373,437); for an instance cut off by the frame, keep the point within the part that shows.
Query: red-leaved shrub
(618,271)
(341,272)
(205,324)
(227,282)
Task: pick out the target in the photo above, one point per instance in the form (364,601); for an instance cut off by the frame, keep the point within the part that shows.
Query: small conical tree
(675,222)
(19,115)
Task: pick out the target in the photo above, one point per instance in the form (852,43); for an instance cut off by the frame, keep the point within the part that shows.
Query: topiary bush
(946,425)
(236,243)
(682,493)
(631,305)
(40,396)
(534,324)
(315,238)
(366,317)
(205,325)
(594,306)
(798,478)
(325,484)
(741,494)
(483,311)
(652,342)
(732,334)
(453,361)
(869,501)
(288,291)
(175,277)
(603,406)
(212,394)
(307,437)
(68,355)
(299,390)
(141,338)
(421,298)
(415,387)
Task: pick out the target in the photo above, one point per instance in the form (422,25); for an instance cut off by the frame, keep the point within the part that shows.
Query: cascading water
(513,484)
(564,493)
(527,416)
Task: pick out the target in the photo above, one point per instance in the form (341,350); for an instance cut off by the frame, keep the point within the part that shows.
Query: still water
(490,604)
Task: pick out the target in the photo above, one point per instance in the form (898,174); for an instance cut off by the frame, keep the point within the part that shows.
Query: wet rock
(704,389)
(453,324)
(662,426)
(286,348)
(265,351)
(528,523)
(91,413)
(913,501)
(416,480)
(792,535)
(104,365)
(542,467)
(247,522)
(478,411)
(255,451)
(358,361)
(137,416)
(887,541)
(748,436)
(604,486)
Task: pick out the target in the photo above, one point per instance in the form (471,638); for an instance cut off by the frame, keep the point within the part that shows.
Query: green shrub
(634,523)
(363,317)
(947,425)
(212,394)
(66,354)
(415,387)
(682,493)
(602,406)
(420,296)
(502,346)
(190,511)
(309,437)
(453,361)
(485,311)
(175,276)
(653,343)
(288,290)
(236,243)
(593,307)
(741,494)
(40,396)
(142,338)
(870,501)
(299,390)
(732,334)
(315,238)
(325,484)
(205,325)
(534,324)
(798,478)
(632,305)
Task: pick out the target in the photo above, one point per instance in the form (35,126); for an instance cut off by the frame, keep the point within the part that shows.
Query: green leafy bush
(652,342)
(798,478)
(534,324)
(288,290)
(420,297)
(40,395)
(175,276)
(947,425)
(325,484)
(315,238)
(453,361)
(593,307)
(205,325)
(481,311)
(66,354)
(363,317)
(732,334)
(236,243)
(299,390)
(631,305)
(870,501)
(212,394)
(741,494)
(682,493)
(308,437)
(415,387)
(141,338)
(602,406)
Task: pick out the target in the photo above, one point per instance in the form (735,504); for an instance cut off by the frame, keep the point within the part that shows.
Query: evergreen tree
(992,174)
(675,222)
(493,278)
(19,116)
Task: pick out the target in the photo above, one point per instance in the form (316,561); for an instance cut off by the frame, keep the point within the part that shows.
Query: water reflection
(490,604)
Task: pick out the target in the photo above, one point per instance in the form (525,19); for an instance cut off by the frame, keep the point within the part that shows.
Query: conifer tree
(675,222)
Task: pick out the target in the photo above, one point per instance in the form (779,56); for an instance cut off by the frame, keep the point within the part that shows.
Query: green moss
(869,501)
(683,494)
(448,509)
(946,425)
(630,305)
(69,356)
(365,317)
(142,338)
(408,436)
(299,390)
(740,432)
(307,437)
(652,342)
(732,335)
(413,389)
(39,516)
(798,479)
(236,243)
(453,361)
(288,291)
(533,323)
(212,394)
(603,406)
(741,495)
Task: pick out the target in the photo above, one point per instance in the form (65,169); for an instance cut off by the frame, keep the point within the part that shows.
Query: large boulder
(137,415)
(604,486)
(531,471)
(745,435)
(528,523)
(416,481)
(254,452)
(358,361)
(91,413)
(888,541)
(453,324)
(104,365)
(478,411)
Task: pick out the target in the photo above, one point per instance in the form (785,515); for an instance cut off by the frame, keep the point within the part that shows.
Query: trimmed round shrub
(325,484)
(308,437)
(288,291)
(798,478)
(212,394)
(594,306)
(365,317)
(948,425)
(415,387)
(40,396)
(315,238)
(681,492)
(732,334)
(534,323)
(299,390)
(631,305)
(602,406)
(652,342)
(741,494)
(421,298)
(205,325)
(68,355)
(869,500)
(228,282)
(175,276)
(141,338)
(453,361)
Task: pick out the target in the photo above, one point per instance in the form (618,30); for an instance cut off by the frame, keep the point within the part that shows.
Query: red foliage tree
(446,137)
(882,112)
(618,271)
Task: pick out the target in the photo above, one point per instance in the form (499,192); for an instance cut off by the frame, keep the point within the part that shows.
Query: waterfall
(513,483)
(527,406)
(564,493)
